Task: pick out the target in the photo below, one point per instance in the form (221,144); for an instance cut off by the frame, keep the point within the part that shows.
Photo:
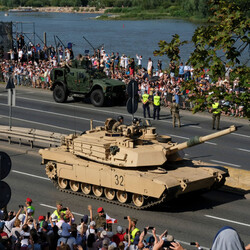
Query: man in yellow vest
(216,110)
(145,104)
(59,209)
(157,105)
(134,231)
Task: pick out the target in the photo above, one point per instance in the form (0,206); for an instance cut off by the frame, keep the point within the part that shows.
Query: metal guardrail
(34,137)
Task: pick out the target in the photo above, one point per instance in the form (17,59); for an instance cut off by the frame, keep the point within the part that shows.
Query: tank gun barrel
(200,139)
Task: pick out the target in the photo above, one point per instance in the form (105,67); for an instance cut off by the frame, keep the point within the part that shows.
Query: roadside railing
(33,137)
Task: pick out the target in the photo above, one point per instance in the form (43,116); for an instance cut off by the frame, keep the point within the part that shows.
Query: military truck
(85,83)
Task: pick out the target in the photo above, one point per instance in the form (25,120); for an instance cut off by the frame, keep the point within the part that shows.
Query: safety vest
(215,107)
(133,233)
(58,214)
(157,100)
(32,208)
(145,97)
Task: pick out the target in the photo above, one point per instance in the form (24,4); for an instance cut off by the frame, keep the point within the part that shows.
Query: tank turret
(134,163)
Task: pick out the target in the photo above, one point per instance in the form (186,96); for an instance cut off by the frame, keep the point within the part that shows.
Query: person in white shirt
(139,58)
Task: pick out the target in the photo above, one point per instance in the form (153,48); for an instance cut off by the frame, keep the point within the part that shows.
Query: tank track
(115,202)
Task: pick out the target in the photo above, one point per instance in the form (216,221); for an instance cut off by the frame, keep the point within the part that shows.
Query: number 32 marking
(119,180)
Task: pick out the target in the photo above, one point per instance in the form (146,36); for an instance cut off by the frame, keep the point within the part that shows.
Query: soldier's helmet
(135,120)
(120,117)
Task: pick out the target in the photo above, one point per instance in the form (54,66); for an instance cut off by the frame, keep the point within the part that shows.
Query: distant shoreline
(71,10)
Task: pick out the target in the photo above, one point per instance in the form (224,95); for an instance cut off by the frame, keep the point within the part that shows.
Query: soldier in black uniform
(117,124)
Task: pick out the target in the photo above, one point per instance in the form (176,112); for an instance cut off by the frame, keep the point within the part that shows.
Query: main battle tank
(134,167)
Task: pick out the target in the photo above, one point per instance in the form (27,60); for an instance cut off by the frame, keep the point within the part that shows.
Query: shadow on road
(193,202)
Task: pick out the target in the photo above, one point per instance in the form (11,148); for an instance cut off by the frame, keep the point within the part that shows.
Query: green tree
(172,49)
(222,42)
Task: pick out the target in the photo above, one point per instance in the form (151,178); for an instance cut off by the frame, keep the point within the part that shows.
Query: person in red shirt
(3,235)
(119,236)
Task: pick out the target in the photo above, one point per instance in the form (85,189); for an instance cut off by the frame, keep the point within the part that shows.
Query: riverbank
(72,9)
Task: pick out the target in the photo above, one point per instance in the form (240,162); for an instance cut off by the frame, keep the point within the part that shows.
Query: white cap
(92,223)
(119,229)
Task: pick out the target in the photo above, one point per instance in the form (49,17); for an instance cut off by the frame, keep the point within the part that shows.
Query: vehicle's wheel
(63,183)
(50,169)
(86,188)
(122,196)
(97,98)
(138,200)
(59,94)
(109,193)
(74,185)
(97,190)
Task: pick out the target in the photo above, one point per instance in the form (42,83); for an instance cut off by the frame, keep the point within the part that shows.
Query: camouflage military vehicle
(134,167)
(82,82)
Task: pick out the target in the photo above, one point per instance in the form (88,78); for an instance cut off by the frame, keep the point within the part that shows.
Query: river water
(128,37)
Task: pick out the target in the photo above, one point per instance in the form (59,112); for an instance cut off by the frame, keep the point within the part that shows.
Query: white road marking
(211,143)
(232,221)
(44,205)
(245,150)
(32,175)
(181,137)
(58,114)
(194,126)
(226,163)
(240,135)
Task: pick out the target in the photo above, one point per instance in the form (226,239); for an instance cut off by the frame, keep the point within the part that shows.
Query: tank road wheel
(109,193)
(51,170)
(97,190)
(74,185)
(138,200)
(63,183)
(122,196)
(60,94)
(97,98)
(86,188)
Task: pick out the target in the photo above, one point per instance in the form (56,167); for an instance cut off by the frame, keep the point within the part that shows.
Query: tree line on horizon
(188,6)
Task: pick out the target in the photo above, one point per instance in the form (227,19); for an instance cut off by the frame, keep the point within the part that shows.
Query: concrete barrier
(239,179)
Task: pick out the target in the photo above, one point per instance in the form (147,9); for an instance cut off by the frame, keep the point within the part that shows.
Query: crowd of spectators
(61,230)
(32,66)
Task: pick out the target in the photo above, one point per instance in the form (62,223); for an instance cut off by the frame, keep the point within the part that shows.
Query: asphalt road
(196,218)
(35,108)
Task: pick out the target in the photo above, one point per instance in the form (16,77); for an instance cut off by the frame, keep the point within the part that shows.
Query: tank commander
(136,121)
(175,107)
(117,124)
